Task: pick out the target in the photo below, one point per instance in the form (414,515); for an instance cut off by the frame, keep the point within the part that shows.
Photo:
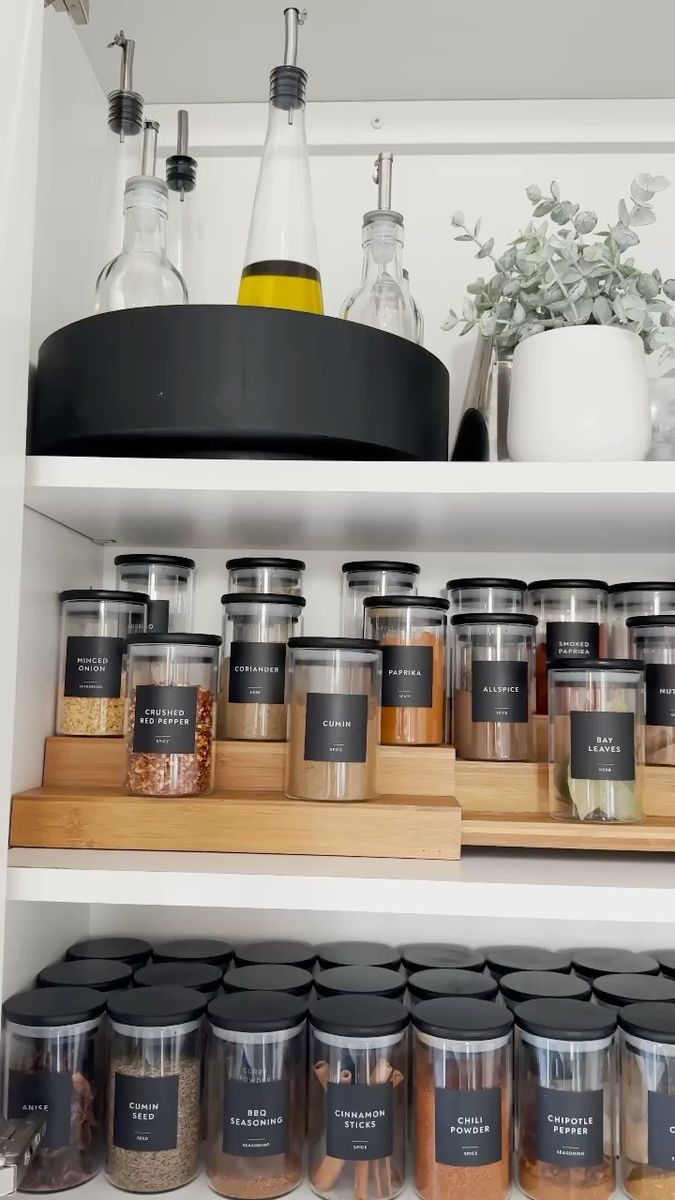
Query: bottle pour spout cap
(125,106)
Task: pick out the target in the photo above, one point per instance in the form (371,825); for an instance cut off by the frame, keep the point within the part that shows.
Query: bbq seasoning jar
(596,739)
(53,1063)
(374,577)
(652,641)
(168,581)
(572,616)
(462,1099)
(411,631)
(281,576)
(94,627)
(256,1089)
(334,687)
(493,694)
(256,629)
(171,714)
(647,1049)
(636,600)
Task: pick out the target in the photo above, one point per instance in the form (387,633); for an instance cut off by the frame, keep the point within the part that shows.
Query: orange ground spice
(418,726)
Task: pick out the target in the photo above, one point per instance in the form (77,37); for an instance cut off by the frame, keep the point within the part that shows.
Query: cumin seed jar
(647,1074)
(493,693)
(256,629)
(652,641)
(280,576)
(412,634)
(95,625)
(572,616)
(642,599)
(168,581)
(372,577)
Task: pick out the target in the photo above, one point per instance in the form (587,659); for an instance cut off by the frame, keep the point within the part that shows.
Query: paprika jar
(652,641)
(412,632)
(282,576)
(647,1073)
(256,629)
(493,693)
(462,1099)
(572,616)
(168,581)
(642,599)
(374,577)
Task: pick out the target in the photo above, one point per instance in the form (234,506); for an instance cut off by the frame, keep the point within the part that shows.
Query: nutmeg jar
(374,577)
(642,599)
(652,641)
(493,694)
(280,576)
(411,631)
(572,615)
(256,629)
(168,581)
(647,1048)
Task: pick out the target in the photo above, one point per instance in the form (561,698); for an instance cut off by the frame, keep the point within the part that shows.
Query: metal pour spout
(382,177)
(293,18)
(149,153)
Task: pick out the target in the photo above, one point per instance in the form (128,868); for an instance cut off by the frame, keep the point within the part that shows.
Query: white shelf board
(591,887)
(628,507)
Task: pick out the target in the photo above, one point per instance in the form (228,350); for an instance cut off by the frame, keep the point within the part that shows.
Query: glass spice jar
(133,951)
(643,599)
(101,974)
(276,951)
(203,977)
(168,581)
(53,1063)
(647,1075)
(95,625)
(462,1099)
(572,616)
(502,960)
(565,1096)
(256,629)
(450,981)
(593,961)
(334,687)
(596,739)
(360,981)
(357,954)
(269,977)
(519,986)
(200,950)
(666,962)
(652,641)
(171,714)
(493,692)
(411,631)
(358,1059)
(153,1094)
(256,1090)
(430,955)
(282,576)
(374,577)
(616,991)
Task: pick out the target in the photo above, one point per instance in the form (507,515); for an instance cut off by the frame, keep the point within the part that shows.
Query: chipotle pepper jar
(493,695)
(572,616)
(374,577)
(652,641)
(411,631)
(642,599)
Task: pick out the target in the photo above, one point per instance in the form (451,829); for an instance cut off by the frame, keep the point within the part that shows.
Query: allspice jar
(647,1048)
(256,629)
(412,632)
(493,693)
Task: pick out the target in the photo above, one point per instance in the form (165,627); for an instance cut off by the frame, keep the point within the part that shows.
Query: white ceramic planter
(579,394)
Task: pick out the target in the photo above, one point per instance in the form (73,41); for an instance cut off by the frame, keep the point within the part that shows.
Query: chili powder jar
(374,577)
(647,1048)
(412,633)
(572,615)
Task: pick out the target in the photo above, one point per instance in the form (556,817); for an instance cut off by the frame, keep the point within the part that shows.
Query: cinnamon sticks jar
(358,1060)
(493,693)
(411,631)
(256,629)
(572,615)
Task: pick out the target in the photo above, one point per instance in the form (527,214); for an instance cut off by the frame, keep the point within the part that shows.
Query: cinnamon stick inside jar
(412,633)
(256,629)
(493,697)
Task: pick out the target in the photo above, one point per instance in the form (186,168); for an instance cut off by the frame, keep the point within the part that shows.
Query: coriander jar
(171,714)
(53,1063)
(572,616)
(256,1066)
(334,687)
(565,1099)
(374,577)
(280,576)
(519,986)
(450,981)
(269,977)
(423,956)
(647,1075)
(168,581)
(95,625)
(133,951)
(493,692)
(412,633)
(652,641)
(153,1093)
(256,629)
(101,974)
(596,739)
(358,1061)
(462,1099)
(642,599)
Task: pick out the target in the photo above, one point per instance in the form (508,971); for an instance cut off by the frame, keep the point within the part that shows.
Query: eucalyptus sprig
(552,274)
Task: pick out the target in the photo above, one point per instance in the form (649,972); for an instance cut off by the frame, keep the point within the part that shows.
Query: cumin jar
(652,641)
(281,576)
(462,1099)
(412,633)
(572,616)
(641,599)
(493,692)
(256,629)
(647,1073)
(372,577)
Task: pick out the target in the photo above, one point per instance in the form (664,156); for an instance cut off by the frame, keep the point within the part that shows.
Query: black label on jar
(336,729)
(407,676)
(661,1131)
(569,1127)
(33,1095)
(499,692)
(146,1112)
(257,673)
(255,1118)
(165,719)
(602,745)
(158,616)
(572,639)
(359,1124)
(660,693)
(94,667)
(468,1127)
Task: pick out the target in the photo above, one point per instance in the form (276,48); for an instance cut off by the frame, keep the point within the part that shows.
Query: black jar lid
(204,977)
(425,956)
(257,1012)
(296,954)
(52,1006)
(490,618)
(667,619)
(269,977)
(174,639)
(596,664)
(290,564)
(263,598)
(662,585)
(133,951)
(634,989)
(357,954)
(359,1016)
(101,974)
(451,981)
(436,602)
(333,643)
(516,585)
(160,560)
(156,1006)
(565,1020)
(463,1019)
(360,980)
(519,986)
(380,564)
(601,960)
(198,950)
(666,961)
(591,584)
(103,594)
(653,1022)
(505,959)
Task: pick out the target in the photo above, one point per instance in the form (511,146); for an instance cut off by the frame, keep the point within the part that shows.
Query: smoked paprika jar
(412,633)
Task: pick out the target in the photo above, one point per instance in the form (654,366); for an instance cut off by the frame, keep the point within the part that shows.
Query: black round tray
(222,381)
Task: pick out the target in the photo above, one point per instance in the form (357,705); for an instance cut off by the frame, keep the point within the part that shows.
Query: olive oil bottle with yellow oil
(281,268)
